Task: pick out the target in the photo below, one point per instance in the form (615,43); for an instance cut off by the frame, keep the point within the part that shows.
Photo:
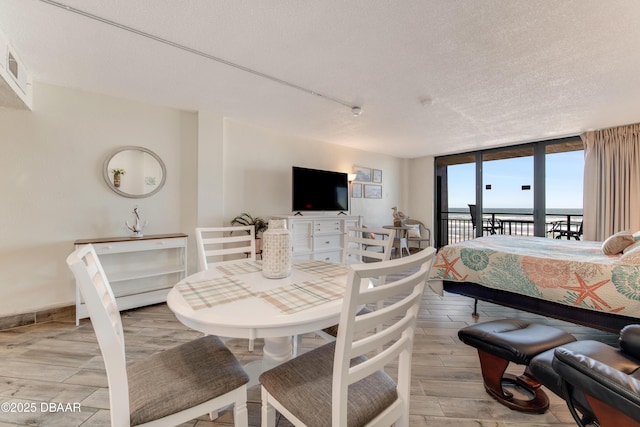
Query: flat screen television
(319,190)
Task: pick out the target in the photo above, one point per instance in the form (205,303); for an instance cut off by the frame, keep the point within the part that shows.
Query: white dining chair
(224,245)
(336,384)
(363,244)
(167,388)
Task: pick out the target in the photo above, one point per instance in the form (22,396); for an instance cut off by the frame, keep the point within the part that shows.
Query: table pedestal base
(276,351)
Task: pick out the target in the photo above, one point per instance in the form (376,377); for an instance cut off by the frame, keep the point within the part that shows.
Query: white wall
(257,165)
(53,192)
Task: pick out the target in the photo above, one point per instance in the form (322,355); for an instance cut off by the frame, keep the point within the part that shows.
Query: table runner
(301,296)
(209,293)
(322,268)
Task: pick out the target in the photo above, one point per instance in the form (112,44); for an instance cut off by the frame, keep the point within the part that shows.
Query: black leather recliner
(598,382)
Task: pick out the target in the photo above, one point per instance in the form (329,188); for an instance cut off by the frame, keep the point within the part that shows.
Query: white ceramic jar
(276,250)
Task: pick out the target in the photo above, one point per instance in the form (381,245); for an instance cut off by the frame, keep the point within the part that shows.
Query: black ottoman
(518,341)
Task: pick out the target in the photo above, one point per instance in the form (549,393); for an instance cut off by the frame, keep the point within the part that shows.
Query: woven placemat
(212,292)
(304,295)
(322,268)
(239,268)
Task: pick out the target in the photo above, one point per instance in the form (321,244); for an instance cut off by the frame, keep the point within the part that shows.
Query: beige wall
(420,190)
(53,191)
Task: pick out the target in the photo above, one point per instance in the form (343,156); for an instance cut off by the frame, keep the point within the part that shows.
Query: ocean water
(521,211)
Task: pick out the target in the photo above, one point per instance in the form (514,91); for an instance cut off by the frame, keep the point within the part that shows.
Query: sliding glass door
(507,196)
(523,190)
(564,189)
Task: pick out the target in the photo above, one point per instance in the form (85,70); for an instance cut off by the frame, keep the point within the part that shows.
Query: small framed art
(362,174)
(372,191)
(356,190)
(377,176)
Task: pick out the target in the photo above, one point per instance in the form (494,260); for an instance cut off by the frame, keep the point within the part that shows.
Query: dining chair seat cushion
(182,377)
(303,385)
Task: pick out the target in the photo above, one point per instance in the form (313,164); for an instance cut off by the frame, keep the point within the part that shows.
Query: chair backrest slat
(366,322)
(225,245)
(359,334)
(377,362)
(367,242)
(105,317)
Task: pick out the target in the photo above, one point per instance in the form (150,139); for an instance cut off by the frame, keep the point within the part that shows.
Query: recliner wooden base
(493,374)
(500,342)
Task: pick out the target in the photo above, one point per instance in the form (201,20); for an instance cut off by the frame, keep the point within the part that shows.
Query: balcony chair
(491,226)
(336,384)
(566,232)
(166,388)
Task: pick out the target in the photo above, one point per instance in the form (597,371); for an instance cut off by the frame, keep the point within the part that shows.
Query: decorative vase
(276,250)
(116,180)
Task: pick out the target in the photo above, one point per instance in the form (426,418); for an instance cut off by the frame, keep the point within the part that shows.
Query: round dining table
(250,315)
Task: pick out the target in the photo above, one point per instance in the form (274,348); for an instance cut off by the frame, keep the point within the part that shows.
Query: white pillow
(413,231)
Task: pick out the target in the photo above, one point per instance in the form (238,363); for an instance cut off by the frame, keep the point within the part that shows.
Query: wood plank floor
(61,363)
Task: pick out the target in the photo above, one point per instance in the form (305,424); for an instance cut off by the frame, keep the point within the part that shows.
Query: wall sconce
(351,177)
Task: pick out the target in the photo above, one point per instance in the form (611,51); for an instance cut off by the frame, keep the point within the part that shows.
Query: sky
(564,183)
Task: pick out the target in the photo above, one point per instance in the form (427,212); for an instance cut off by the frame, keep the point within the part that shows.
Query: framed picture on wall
(377,176)
(362,174)
(372,191)
(356,190)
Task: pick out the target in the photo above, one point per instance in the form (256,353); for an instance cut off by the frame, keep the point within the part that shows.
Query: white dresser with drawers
(140,270)
(318,237)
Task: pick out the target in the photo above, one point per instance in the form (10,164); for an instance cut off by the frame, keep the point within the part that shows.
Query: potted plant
(116,176)
(259,224)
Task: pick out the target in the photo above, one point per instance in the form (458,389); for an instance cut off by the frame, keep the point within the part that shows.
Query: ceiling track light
(354,108)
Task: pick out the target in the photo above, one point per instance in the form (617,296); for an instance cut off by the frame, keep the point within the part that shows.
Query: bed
(568,280)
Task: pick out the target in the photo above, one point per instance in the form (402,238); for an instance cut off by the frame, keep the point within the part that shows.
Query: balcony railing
(455,226)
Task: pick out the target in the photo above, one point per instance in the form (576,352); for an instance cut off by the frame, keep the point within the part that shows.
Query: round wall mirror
(134,172)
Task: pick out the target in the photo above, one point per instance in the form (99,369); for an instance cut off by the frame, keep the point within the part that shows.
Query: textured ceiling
(431,76)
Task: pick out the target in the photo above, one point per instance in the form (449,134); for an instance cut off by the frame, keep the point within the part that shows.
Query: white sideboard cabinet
(141,270)
(318,237)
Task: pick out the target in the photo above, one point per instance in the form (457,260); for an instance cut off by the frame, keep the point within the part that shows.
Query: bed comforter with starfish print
(574,273)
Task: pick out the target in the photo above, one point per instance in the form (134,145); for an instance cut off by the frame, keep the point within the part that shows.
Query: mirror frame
(107,177)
